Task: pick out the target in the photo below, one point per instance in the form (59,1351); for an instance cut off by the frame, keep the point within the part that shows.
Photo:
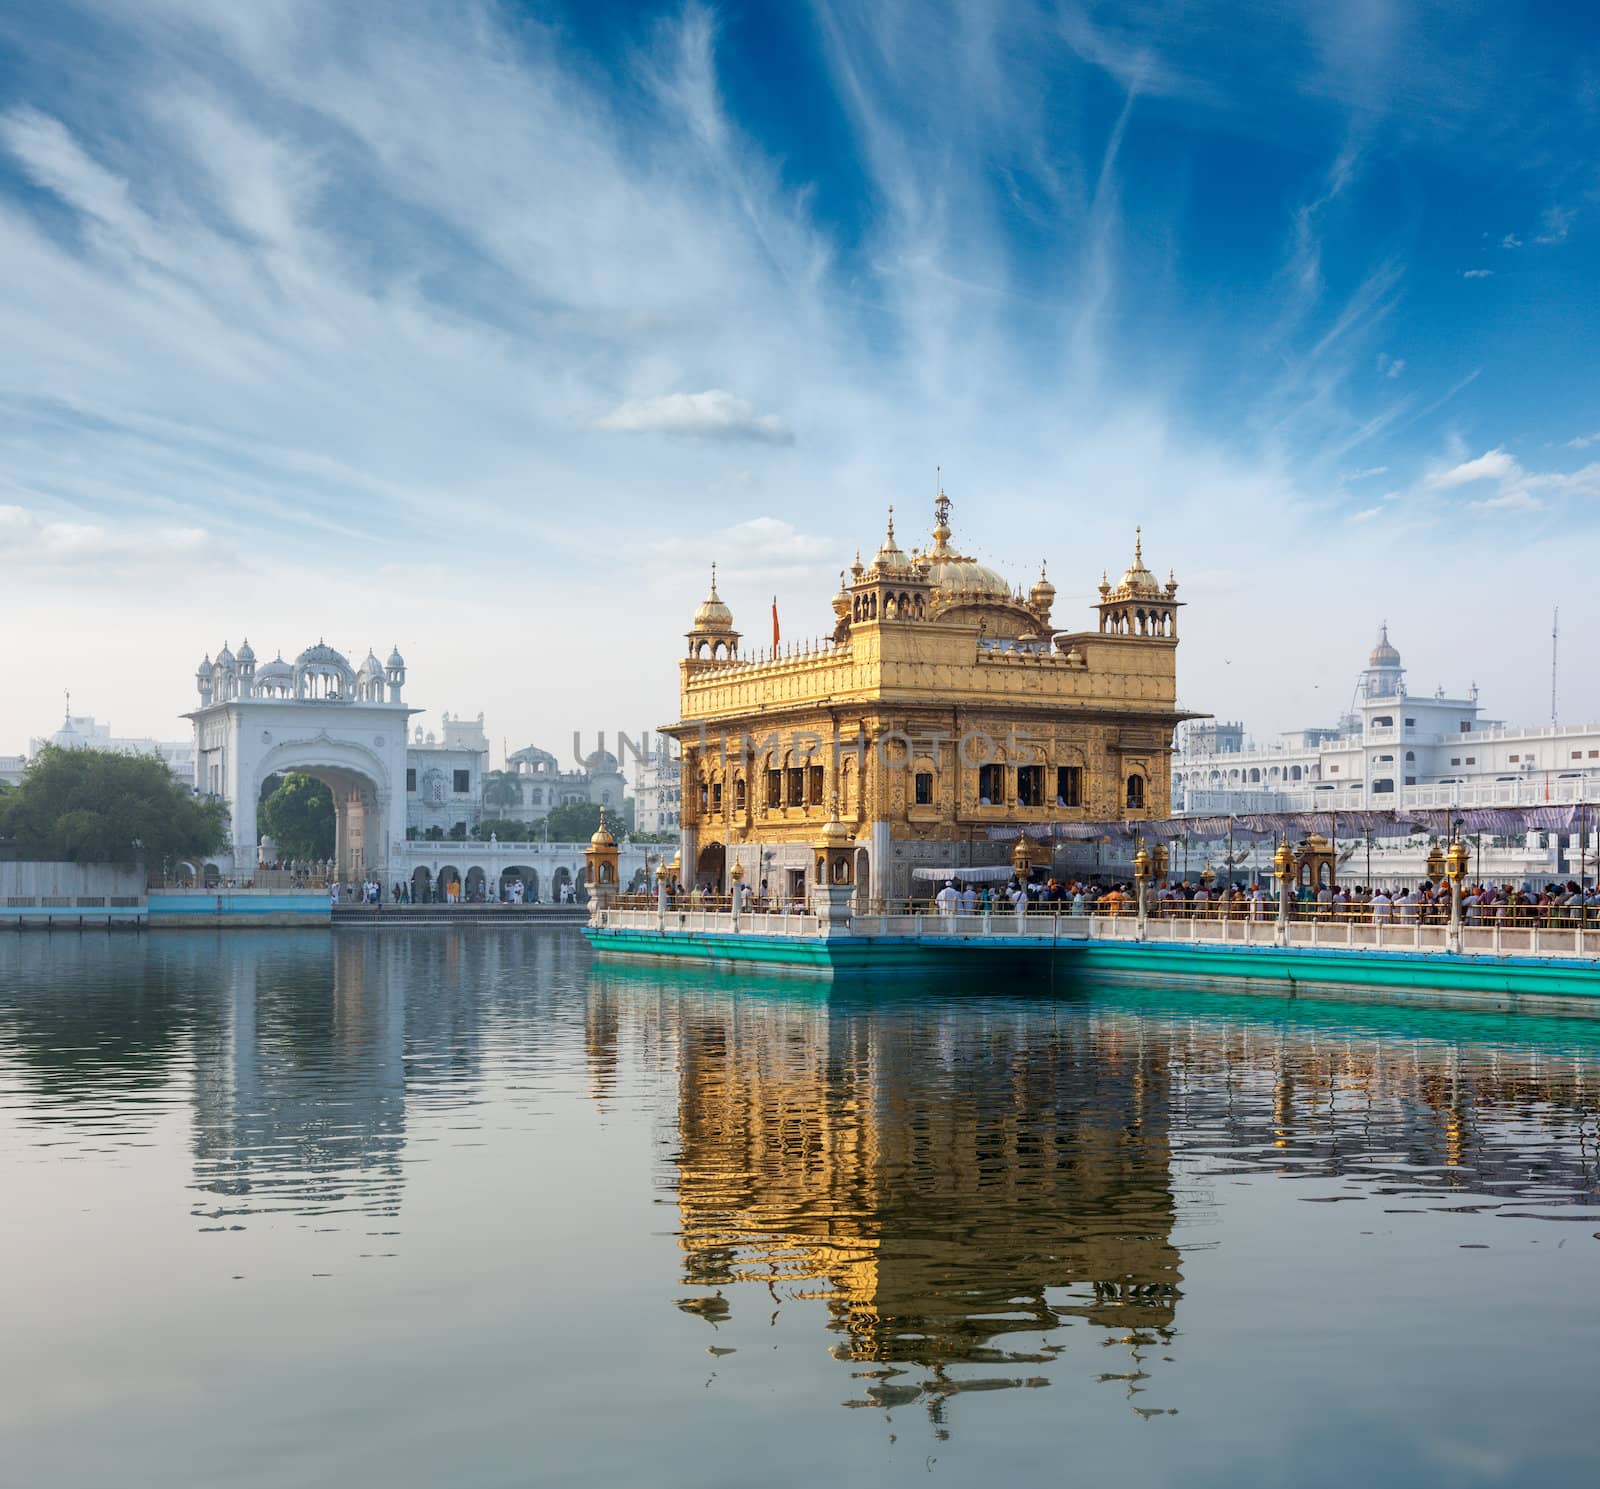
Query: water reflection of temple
(951,1188)
(949,1180)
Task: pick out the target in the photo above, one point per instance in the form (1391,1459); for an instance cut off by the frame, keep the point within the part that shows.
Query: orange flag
(774,622)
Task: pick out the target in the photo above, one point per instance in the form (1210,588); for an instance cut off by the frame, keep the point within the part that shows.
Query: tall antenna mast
(1555,635)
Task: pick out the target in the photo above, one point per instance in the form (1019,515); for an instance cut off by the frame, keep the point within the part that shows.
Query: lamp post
(1141,881)
(1283,867)
(1456,871)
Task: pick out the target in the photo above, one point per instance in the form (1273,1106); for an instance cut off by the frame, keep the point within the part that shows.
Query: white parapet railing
(801,922)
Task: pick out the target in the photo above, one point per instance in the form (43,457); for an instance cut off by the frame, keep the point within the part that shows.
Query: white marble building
(344,725)
(408,800)
(657,791)
(85,732)
(1394,748)
(1426,752)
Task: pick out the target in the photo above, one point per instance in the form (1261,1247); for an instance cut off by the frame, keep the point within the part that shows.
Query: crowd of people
(1555,904)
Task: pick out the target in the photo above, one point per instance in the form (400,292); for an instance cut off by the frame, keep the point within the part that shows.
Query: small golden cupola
(894,586)
(600,859)
(1139,605)
(712,637)
(1041,597)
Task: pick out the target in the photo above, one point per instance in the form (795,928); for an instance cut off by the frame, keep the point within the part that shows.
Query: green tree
(93,806)
(504,829)
(575,821)
(298,816)
(502,789)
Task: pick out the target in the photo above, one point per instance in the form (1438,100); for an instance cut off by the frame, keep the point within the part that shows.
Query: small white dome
(396,661)
(205,669)
(245,654)
(321,652)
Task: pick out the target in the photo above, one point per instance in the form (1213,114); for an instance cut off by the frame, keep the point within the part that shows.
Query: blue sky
(484,328)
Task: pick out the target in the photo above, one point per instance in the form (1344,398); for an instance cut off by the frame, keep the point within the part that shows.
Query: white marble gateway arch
(318,715)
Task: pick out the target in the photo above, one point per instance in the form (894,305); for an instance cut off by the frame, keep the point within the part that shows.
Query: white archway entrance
(358,781)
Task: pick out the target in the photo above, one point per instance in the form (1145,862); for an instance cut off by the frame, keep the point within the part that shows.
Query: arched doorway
(449,881)
(863,875)
(709,867)
(357,781)
(473,888)
(211,876)
(560,882)
(421,885)
(517,874)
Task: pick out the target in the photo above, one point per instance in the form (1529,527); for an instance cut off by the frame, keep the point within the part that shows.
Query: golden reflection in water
(952,1194)
(957,1182)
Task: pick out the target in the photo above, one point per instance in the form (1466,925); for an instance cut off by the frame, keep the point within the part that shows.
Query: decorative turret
(1041,597)
(894,586)
(1384,676)
(712,636)
(600,861)
(1139,605)
(203,675)
(841,610)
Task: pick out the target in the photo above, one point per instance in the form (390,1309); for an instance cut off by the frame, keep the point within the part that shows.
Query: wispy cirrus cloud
(345,288)
(713,414)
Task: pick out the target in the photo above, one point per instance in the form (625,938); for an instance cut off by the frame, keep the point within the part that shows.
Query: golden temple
(945,704)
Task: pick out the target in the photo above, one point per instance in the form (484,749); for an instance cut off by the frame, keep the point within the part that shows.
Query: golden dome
(1043,593)
(890,557)
(966,576)
(713,614)
(1137,582)
(836,834)
(953,574)
(602,834)
(1384,653)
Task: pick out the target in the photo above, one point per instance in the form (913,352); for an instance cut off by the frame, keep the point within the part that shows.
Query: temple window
(1030,785)
(814,784)
(795,786)
(411,780)
(463,781)
(1136,791)
(991,785)
(1069,785)
(738,793)
(924,788)
(774,788)
(716,796)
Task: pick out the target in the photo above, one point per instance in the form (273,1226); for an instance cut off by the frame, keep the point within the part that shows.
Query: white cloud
(1511,240)
(1556,223)
(1583,441)
(1477,273)
(28,540)
(714,414)
(1493,465)
(1366,514)
(1368,473)
(1511,498)
(1390,367)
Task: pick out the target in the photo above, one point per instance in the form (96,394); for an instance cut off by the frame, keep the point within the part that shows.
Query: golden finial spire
(713,576)
(891,522)
(1138,545)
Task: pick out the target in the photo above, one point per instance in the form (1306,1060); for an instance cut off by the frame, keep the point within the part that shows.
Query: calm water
(456,1207)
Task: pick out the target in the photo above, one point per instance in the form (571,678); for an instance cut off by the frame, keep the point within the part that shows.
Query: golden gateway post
(944,705)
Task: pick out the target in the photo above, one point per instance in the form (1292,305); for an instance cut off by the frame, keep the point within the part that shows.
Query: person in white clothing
(947,900)
(969,900)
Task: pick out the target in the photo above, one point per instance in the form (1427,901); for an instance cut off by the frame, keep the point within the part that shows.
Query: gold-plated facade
(944,704)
